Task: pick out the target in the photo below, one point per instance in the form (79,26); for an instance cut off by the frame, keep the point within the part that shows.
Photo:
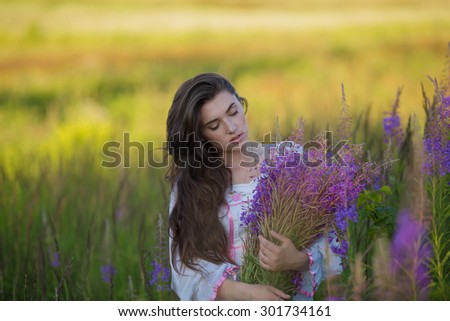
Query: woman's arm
(239,291)
(315,263)
(216,282)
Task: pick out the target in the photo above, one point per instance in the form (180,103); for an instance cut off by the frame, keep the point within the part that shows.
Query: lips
(236,138)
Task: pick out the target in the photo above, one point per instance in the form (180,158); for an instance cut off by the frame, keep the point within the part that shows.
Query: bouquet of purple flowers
(307,190)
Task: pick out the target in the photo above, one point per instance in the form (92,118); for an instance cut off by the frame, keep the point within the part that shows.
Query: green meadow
(77,74)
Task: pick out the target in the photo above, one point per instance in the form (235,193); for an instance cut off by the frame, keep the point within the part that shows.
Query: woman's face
(223,122)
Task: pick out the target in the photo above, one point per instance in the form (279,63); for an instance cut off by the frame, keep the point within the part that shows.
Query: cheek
(243,121)
(216,138)
(209,135)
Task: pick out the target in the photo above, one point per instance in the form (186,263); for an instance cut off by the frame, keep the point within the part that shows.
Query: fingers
(266,245)
(264,261)
(268,254)
(265,254)
(280,293)
(272,246)
(279,237)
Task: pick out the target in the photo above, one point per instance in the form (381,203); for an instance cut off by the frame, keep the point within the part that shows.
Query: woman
(206,131)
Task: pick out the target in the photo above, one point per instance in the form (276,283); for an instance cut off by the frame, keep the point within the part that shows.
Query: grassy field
(74,75)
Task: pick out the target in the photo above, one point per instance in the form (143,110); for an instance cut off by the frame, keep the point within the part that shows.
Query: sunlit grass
(74,75)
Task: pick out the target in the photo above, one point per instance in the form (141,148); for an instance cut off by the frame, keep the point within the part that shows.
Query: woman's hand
(283,257)
(235,290)
(259,292)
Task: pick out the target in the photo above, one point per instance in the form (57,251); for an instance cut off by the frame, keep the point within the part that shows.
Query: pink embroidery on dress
(231,271)
(300,280)
(231,248)
(236,197)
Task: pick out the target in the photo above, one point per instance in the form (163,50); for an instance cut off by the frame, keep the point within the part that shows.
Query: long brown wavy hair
(198,175)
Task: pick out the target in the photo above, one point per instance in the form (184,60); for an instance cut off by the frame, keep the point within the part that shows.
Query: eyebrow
(212,121)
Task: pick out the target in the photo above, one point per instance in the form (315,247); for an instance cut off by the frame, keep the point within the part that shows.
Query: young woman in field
(206,130)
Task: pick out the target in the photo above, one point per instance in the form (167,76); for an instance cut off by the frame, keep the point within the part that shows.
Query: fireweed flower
(391,124)
(342,248)
(447,157)
(392,129)
(303,202)
(344,215)
(330,191)
(108,272)
(159,276)
(410,251)
(436,138)
(445,111)
(55,260)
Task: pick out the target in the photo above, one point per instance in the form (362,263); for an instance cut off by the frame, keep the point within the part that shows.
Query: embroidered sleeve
(201,285)
(323,262)
(308,281)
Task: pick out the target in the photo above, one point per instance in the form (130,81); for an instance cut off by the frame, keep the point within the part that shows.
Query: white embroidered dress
(194,285)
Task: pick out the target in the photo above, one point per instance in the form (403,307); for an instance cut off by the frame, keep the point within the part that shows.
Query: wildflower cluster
(108,272)
(159,276)
(410,249)
(401,266)
(391,124)
(302,202)
(437,138)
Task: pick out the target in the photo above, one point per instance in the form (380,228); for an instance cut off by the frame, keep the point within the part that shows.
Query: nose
(230,126)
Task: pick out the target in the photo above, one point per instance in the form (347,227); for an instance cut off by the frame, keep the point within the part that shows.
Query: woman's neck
(244,168)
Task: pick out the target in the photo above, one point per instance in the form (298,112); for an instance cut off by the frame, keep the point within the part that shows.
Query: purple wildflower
(159,276)
(342,249)
(297,279)
(328,188)
(344,215)
(391,124)
(447,157)
(446,100)
(108,272)
(120,213)
(376,183)
(392,129)
(303,193)
(435,162)
(436,139)
(249,218)
(55,261)
(410,251)
(338,247)
(445,110)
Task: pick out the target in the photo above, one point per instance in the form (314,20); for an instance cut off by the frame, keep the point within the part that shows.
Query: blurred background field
(76,74)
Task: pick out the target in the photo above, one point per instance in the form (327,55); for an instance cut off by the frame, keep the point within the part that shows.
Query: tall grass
(72,230)
(61,224)
(437,167)
(399,248)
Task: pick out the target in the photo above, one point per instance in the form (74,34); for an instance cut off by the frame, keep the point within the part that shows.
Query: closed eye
(234,111)
(214,128)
